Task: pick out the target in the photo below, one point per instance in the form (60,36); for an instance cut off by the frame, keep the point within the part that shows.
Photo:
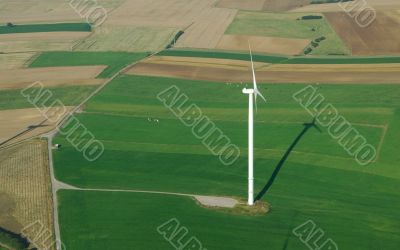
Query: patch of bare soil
(380,38)
(307,74)
(17,78)
(21,124)
(274,45)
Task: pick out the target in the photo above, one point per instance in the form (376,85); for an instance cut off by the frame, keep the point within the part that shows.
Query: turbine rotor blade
(255,101)
(252,69)
(257,92)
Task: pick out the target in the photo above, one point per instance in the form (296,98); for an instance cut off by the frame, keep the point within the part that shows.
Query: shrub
(311,17)
(319,39)
(307,51)
(328,1)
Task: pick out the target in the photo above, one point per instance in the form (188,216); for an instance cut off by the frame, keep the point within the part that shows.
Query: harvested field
(17,78)
(334,7)
(394,14)
(304,74)
(14,60)
(204,62)
(380,38)
(284,5)
(55,83)
(25,183)
(159,13)
(150,26)
(274,45)
(127,38)
(19,122)
(41,41)
(207,29)
(44,11)
(144,25)
(241,5)
(28,11)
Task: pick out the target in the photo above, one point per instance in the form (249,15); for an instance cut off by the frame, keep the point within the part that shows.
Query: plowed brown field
(390,73)
(50,76)
(380,38)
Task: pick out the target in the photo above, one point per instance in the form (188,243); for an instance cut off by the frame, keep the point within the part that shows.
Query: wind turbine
(254,92)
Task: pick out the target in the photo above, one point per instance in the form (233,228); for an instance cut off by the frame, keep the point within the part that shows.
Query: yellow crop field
(25,184)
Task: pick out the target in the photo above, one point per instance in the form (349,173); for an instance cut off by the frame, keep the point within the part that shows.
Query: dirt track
(380,38)
(307,74)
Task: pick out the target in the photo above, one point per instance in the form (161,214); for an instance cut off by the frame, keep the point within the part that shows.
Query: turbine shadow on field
(278,167)
(28,129)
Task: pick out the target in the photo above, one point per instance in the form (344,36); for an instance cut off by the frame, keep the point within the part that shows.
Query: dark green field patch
(50,27)
(282,59)
(223,55)
(343,60)
(114,60)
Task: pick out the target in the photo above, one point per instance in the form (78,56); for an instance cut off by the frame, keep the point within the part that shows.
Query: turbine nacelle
(248,91)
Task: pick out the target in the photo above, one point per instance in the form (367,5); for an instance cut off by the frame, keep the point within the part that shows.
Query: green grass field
(281,59)
(286,25)
(13,99)
(50,27)
(93,220)
(115,60)
(319,181)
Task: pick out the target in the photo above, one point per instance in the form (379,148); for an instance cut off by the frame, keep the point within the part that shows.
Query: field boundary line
(31,59)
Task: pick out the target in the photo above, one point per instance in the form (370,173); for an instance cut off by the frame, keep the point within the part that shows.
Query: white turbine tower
(252,93)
